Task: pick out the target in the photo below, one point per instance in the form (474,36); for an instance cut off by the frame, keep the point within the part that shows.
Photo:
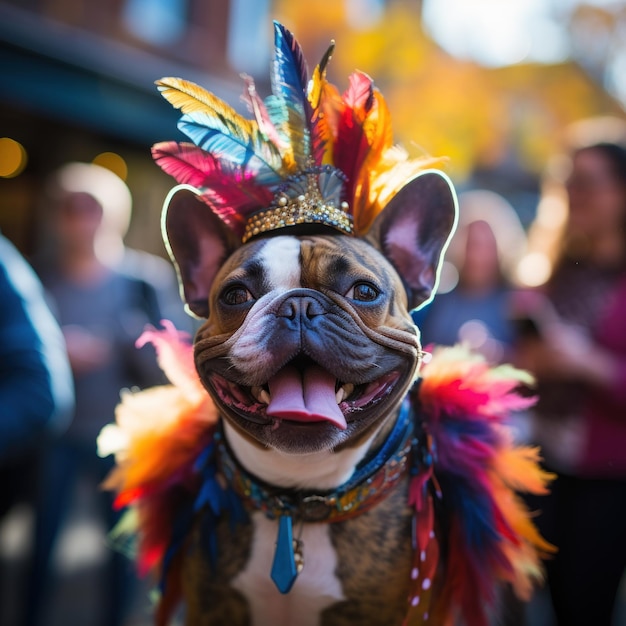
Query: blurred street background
(502,88)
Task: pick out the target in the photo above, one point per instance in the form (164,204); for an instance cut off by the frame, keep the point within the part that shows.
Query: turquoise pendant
(287,557)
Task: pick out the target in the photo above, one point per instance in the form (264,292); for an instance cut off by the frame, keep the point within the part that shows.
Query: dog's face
(309,344)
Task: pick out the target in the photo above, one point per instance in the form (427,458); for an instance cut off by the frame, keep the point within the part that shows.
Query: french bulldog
(308,350)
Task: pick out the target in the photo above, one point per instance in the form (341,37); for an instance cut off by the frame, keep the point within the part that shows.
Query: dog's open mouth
(304,393)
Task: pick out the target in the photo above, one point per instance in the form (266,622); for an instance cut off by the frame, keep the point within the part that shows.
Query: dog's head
(308,342)
(304,237)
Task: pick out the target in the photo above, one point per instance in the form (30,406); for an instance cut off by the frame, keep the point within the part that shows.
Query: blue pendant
(284,568)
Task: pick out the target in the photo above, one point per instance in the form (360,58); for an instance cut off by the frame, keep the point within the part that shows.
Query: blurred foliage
(478,117)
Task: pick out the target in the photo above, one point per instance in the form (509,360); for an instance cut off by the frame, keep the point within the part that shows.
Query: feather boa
(466,502)
(477,471)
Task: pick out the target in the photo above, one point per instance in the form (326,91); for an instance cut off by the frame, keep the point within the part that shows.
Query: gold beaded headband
(309,155)
(303,202)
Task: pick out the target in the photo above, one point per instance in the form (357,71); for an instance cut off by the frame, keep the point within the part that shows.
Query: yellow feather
(330,106)
(326,104)
(295,157)
(525,555)
(156,447)
(519,468)
(379,134)
(394,175)
(519,517)
(318,80)
(384,178)
(191,98)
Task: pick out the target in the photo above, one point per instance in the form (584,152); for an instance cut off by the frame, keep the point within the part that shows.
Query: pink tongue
(308,397)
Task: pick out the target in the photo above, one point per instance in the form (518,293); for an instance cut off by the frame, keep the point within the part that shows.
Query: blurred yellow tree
(442,105)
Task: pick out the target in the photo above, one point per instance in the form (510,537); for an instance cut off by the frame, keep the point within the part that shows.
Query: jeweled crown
(302,201)
(310,155)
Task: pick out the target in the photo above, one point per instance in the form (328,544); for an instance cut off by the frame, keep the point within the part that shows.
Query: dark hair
(615,156)
(614,153)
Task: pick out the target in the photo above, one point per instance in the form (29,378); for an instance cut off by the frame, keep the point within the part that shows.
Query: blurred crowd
(67,349)
(70,317)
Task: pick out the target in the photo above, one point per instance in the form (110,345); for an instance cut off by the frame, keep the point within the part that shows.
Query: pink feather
(184,161)
(230,191)
(259,110)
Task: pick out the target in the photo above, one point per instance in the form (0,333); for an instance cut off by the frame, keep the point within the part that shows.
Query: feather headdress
(309,155)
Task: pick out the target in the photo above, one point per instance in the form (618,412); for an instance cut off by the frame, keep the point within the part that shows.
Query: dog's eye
(236,294)
(363,292)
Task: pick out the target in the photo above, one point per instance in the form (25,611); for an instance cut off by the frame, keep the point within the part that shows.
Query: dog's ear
(414,229)
(198,242)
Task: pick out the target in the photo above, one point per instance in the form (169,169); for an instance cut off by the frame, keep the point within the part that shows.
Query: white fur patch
(317,471)
(280,257)
(316,588)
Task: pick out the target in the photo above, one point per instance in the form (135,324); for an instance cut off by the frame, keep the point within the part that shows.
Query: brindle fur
(210,599)
(375,581)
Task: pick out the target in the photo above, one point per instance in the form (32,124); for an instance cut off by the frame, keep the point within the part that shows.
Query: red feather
(351,144)
(326,124)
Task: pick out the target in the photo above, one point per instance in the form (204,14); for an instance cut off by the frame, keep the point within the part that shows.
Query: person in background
(103,299)
(36,391)
(574,342)
(476,277)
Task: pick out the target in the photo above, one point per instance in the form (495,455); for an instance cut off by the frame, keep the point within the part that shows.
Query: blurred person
(481,259)
(36,392)
(103,298)
(574,341)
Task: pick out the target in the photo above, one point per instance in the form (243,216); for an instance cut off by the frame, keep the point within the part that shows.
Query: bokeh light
(534,269)
(496,33)
(13,158)
(448,277)
(113,162)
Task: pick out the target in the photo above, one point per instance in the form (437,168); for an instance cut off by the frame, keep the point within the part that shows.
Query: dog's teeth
(260,395)
(343,392)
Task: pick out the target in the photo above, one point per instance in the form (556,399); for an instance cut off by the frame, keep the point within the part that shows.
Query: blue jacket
(36,389)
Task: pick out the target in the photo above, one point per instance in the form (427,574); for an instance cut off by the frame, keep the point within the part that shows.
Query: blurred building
(78,81)
(78,84)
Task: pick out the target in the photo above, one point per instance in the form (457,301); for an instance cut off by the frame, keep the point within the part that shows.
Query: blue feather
(291,129)
(255,156)
(288,107)
(475,510)
(290,75)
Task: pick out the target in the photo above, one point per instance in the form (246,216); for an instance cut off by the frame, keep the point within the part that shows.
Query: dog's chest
(316,588)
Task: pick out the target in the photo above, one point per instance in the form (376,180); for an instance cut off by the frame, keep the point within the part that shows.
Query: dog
(308,352)
(330,481)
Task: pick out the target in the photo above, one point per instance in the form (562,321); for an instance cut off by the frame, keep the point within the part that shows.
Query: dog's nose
(300,308)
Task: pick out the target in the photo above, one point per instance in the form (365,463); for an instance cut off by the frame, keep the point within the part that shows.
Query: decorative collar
(371,482)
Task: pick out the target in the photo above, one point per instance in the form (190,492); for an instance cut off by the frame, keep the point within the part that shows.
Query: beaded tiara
(309,155)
